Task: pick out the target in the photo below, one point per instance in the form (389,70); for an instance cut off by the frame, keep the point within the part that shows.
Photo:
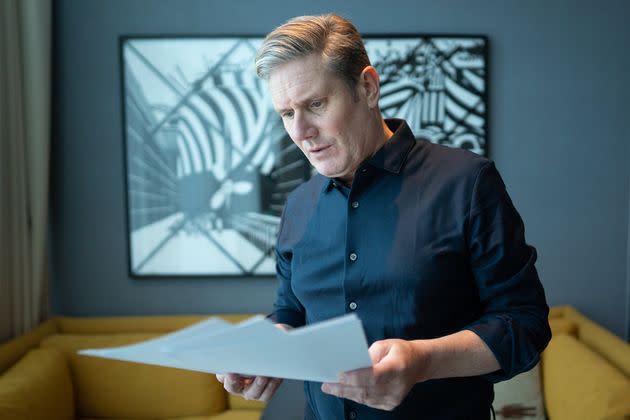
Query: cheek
(289,129)
(299,146)
(348,123)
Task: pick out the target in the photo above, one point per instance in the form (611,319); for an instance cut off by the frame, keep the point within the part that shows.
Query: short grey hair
(332,36)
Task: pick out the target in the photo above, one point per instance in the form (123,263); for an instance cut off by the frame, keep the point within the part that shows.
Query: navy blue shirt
(425,243)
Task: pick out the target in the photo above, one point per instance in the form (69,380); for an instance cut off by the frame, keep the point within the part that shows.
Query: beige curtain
(25,75)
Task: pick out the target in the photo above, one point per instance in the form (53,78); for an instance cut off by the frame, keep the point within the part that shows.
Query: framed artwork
(209,164)
(438,84)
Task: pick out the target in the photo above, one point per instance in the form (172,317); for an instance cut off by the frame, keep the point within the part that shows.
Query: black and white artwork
(209,165)
(437,84)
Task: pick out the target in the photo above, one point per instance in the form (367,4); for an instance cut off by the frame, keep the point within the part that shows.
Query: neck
(382,134)
(386,131)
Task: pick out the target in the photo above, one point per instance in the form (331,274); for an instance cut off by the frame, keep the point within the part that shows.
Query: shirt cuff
(289,317)
(498,334)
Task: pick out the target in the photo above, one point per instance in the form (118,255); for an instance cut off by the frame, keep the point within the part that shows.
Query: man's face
(323,117)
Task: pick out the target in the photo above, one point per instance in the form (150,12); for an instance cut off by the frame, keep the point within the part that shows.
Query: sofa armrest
(604,342)
(13,350)
(580,384)
(37,387)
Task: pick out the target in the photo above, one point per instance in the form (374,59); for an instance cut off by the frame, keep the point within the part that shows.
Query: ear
(371,85)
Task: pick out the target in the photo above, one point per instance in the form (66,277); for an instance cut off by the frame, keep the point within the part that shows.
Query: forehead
(299,80)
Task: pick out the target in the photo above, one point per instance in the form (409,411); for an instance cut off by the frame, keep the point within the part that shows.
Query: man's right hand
(259,388)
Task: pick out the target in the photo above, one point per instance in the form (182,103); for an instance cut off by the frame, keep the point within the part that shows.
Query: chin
(328,173)
(321,170)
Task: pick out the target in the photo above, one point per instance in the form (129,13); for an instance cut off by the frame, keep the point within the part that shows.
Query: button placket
(353,230)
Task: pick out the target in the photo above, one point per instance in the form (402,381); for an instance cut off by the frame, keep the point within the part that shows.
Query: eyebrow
(301,103)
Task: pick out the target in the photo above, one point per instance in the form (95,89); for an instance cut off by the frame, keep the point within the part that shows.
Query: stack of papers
(255,347)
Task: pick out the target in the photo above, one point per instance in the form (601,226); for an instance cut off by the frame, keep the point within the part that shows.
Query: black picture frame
(208,164)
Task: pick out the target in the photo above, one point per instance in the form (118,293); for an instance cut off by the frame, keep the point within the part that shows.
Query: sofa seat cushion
(226,415)
(238,415)
(114,389)
(239,403)
(580,384)
(37,387)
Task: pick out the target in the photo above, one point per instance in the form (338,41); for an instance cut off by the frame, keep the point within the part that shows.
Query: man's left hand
(397,365)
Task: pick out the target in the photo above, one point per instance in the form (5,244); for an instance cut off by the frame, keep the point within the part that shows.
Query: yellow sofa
(585,370)
(43,377)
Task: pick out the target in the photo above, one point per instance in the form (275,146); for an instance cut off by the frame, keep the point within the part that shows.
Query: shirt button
(353,256)
(352,415)
(352,306)
(355,204)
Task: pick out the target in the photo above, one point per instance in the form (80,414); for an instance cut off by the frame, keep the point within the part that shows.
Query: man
(421,241)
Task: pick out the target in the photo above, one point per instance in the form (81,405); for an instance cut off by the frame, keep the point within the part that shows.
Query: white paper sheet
(318,352)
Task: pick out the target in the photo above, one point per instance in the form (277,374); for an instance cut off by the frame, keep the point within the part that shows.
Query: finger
(271,389)
(360,377)
(332,389)
(256,388)
(386,370)
(220,377)
(284,327)
(234,383)
(357,377)
(245,379)
(361,395)
(378,350)
(338,390)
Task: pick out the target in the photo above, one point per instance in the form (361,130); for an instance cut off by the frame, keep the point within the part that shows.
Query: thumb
(378,350)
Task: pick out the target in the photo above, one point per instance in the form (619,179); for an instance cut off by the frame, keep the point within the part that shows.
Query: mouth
(318,150)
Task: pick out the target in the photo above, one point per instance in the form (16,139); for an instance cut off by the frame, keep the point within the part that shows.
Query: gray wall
(559,90)
(558,93)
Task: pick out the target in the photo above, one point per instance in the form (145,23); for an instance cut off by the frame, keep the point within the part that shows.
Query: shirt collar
(391,156)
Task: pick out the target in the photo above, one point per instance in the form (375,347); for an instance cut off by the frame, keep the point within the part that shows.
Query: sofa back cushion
(125,324)
(580,384)
(37,387)
(13,350)
(116,389)
(135,324)
(563,326)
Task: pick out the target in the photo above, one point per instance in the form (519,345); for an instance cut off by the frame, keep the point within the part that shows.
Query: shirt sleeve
(514,324)
(287,308)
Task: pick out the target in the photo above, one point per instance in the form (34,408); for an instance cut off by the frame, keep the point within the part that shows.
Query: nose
(303,129)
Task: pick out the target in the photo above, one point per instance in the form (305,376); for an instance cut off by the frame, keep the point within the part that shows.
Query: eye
(317,103)
(287,115)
